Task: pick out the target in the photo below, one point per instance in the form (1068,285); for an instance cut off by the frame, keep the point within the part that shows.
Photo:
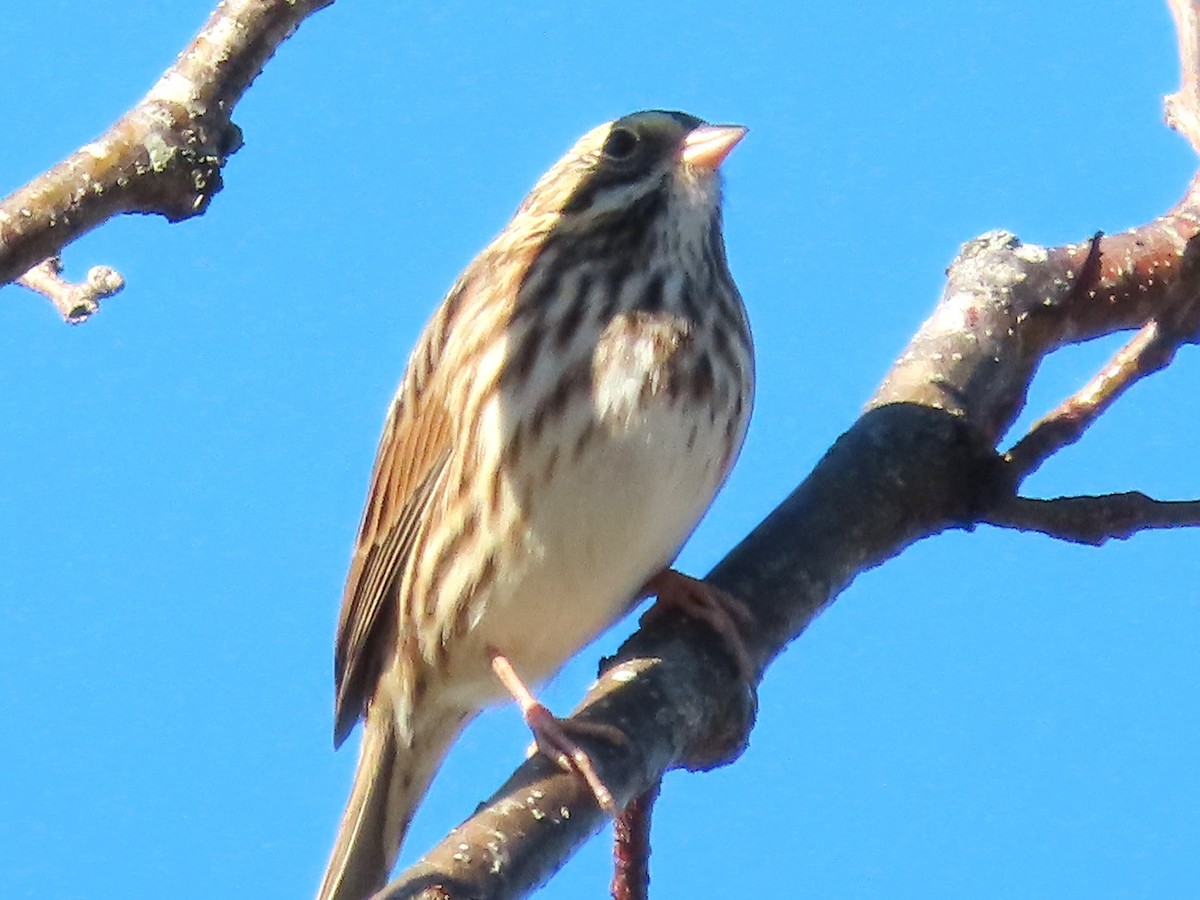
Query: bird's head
(618,166)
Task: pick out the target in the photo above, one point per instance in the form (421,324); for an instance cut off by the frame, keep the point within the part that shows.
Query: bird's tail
(389,783)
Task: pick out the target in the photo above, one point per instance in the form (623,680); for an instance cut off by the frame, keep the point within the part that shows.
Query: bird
(566,418)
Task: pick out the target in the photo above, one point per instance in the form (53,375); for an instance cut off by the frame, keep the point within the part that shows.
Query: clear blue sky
(991,715)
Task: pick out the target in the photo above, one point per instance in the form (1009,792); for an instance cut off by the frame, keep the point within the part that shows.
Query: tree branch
(165,155)
(902,473)
(631,847)
(1183,107)
(921,459)
(1093,520)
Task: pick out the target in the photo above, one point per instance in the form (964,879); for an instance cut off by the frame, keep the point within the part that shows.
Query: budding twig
(74,302)
(165,154)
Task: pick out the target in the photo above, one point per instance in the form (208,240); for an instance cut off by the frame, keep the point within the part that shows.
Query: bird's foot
(553,734)
(721,611)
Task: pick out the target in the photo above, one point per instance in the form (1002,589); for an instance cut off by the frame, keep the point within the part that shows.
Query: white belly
(597,534)
(583,530)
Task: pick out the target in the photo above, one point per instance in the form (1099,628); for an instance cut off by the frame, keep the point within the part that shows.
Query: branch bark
(165,155)
(921,459)
(1094,520)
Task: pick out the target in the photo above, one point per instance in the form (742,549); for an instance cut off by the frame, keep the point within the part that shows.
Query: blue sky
(990,715)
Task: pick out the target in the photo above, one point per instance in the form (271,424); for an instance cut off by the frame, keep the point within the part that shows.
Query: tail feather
(360,862)
(389,783)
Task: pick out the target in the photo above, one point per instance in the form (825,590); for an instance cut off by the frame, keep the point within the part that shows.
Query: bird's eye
(620,144)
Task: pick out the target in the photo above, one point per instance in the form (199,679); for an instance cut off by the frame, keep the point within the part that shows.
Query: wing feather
(413,452)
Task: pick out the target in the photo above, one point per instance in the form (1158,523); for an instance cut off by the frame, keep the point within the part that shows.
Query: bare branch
(1183,107)
(921,459)
(1152,349)
(631,848)
(74,302)
(902,473)
(1094,519)
(1145,354)
(163,156)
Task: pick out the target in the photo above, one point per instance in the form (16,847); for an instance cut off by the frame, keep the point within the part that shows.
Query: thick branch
(902,473)
(920,460)
(163,156)
(1007,305)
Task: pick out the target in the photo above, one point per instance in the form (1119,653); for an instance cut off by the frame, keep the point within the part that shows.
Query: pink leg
(720,611)
(551,732)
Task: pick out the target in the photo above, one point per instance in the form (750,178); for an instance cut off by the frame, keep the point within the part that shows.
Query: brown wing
(412,453)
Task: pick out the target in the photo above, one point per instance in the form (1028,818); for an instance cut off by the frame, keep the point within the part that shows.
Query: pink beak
(707,146)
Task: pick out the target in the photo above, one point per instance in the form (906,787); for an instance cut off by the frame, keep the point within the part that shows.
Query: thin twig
(1094,520)
(74,302)
(631,847)
(1145,354)
(1183,107)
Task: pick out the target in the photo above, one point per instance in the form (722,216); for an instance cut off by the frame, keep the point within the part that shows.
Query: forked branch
(921,459)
